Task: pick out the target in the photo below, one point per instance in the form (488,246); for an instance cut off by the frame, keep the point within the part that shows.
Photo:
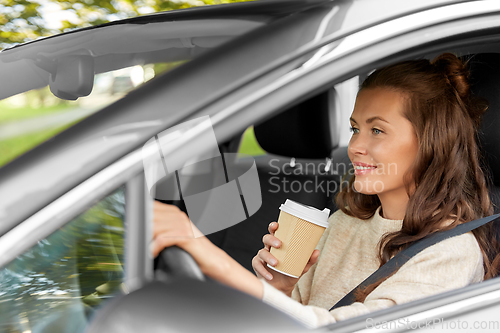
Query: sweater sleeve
(450,264)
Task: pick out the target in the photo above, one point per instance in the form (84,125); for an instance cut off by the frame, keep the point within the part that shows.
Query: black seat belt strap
(402,257)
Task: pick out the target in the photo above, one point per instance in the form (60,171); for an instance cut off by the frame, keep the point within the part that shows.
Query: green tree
(80,264)
(23,20)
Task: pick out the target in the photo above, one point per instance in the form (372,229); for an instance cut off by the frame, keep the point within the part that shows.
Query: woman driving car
(417,171)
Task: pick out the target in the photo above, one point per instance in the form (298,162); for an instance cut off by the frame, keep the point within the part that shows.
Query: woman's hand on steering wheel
(171,226)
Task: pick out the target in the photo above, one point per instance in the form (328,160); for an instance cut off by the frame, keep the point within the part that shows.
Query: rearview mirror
(73,77)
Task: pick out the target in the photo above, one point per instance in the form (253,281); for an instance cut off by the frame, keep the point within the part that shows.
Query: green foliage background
(23,21)
(68,274)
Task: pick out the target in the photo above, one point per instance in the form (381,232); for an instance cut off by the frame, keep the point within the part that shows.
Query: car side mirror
(72,77)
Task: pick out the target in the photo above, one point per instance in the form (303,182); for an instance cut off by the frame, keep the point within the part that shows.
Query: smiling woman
(419,120)
(445,169)
(383,147)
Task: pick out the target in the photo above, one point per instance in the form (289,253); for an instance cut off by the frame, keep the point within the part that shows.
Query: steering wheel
(175,263)
(162,307)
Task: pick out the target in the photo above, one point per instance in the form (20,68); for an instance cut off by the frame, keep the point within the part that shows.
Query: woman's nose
(357,145)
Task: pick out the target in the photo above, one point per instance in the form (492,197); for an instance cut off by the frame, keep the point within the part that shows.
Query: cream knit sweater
(348,255)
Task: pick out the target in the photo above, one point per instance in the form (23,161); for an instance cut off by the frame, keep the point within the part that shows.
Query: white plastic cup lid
(308,213)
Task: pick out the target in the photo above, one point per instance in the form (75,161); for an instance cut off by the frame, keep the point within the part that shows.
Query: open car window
(57,82)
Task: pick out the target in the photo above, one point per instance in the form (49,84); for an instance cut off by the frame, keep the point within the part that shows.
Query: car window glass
(56,82)
(249,144)
(57,284)
(32,117)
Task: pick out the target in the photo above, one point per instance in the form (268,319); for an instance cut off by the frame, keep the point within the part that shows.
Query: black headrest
(307,130)
(485,82)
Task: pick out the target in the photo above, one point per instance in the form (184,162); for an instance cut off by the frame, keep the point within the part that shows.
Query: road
(22,127)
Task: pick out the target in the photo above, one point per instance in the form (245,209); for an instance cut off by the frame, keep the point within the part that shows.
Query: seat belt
(395,263)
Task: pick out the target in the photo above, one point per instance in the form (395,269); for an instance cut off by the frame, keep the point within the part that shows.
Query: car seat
(485,75)
(303,163)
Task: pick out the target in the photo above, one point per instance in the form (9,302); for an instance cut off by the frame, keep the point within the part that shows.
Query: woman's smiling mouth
(362,168)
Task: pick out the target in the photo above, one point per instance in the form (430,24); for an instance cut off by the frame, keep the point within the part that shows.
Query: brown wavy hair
(449,181)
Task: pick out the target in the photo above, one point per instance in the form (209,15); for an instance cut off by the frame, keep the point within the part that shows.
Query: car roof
(291,29)
(259,11)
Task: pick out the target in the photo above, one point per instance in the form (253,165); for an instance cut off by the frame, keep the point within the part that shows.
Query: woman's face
(383,143)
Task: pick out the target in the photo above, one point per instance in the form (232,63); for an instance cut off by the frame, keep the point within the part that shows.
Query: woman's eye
(354,130)
(376,131)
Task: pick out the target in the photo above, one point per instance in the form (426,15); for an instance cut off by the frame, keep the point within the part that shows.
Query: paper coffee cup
(300,228)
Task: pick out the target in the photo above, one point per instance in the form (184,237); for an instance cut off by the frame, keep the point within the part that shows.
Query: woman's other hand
(173,227)
(264,257)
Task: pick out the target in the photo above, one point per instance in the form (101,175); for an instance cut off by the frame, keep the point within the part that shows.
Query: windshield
(50,84)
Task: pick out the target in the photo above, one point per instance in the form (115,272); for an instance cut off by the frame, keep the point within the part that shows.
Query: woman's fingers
(260,261)
(161,242)
(171,227)
(260,269)
(271,241)
(168,219)
(266,256)
(273,226)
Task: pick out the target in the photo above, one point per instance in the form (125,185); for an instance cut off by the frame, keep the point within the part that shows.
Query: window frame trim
(59,212)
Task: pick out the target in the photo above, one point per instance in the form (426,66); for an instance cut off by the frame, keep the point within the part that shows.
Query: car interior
(302,163)
(288,137)
(298,136)
(312,143)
